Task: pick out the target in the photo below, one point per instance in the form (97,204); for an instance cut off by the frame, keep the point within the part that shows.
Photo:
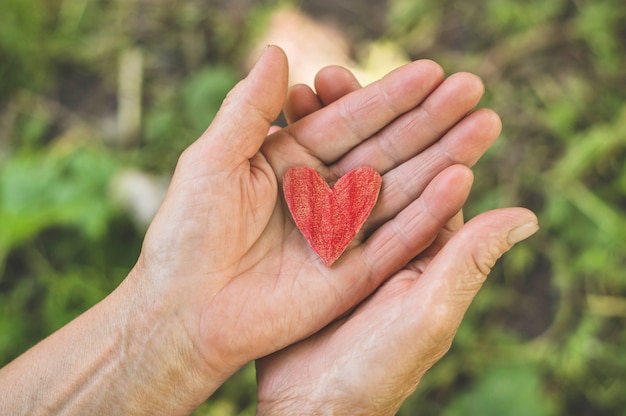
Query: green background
(546,335)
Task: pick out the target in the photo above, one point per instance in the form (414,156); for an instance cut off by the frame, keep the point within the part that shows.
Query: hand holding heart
(370,360)
(226,277)
(251,282)
(225,242)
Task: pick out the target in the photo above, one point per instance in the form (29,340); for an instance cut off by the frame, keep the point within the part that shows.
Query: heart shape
(329,218)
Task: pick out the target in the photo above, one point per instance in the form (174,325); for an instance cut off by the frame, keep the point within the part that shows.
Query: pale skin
(224,277)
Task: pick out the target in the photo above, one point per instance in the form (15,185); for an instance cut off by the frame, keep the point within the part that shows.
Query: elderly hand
(370,360)
(225,277)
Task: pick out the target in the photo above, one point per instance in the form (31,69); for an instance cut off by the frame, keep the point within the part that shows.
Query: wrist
(275,399)
(157,354)
(126,355)
(319,393)
(328,407)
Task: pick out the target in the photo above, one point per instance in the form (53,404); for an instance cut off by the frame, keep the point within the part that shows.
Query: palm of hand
(249,268)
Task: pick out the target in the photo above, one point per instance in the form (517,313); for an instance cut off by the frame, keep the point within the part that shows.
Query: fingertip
(329,74)
(488,122)
(269,76)
(464,173)
(494,121)
(471,85)
(301,101)
(522,232)
(272,53)
(470,138)
(247,112)
(524,223)
(420,77)
(507,218)
(472,80)
(498,229)
(273,129)
(428,65)
(456,177)
(460,268)
(333,82)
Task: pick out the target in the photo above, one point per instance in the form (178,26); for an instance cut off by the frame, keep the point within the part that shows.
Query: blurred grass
(546,335)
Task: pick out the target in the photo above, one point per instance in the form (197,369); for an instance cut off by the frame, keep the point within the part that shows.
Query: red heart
(330,218)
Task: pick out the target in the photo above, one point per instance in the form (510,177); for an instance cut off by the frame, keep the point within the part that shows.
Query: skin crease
(224,276)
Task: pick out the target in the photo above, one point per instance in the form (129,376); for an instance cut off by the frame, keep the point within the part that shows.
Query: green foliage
(22,25)
(545,336)
(203,93)
(53,189)
(508,390)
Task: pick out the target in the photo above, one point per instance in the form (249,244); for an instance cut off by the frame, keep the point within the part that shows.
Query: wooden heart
(330,218)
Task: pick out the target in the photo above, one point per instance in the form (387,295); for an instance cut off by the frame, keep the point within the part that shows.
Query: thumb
(453,277)
(473,251)
(241,125)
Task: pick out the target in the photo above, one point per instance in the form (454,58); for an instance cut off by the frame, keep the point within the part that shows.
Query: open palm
(224,235)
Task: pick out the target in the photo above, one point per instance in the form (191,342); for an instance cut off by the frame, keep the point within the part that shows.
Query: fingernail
(262,54)
(522,232)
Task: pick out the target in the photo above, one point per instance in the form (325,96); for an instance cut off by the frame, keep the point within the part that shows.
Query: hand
(224,277)
(223,252)
(370,360)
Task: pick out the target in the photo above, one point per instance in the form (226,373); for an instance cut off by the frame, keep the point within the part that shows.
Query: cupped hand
(370,360)
(223,256)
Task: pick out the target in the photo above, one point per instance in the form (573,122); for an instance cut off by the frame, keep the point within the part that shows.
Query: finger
(334,82)
(460,268)
(301,101)
(452,227)
(452,279)
(464,144)
(419,128)
(241,124)
(347,122)
(399,240)
(331,83)
(446,233)
(273,129)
